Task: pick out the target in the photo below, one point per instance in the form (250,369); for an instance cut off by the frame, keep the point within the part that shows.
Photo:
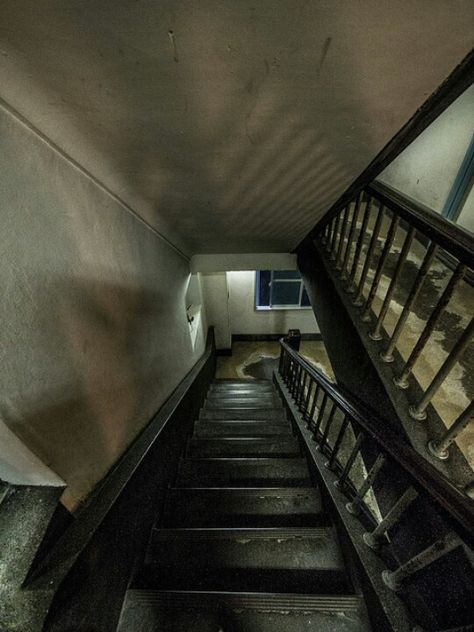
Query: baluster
(375,537)
(402,380)
(332,227)
(440,447)
(280,363)
(419,411)
(296,382)
(396,579)
(381,264)
(294,377)
(337,236)
(387,356)
(345,214)
(354,506)
(350,461)
(291,373)
(319,418)
(313,406)
(342,431)
(355,217)
(307,399)
(334,237)
(359,298)
(376,335)
(351,286)
(322,443)
(301,390)
(325,233)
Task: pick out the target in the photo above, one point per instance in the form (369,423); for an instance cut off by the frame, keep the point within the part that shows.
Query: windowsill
(281,309)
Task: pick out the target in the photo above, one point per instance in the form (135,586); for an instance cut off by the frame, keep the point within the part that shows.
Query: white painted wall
(216,300)
(466,216)
(243,261)
(425,171)
(245,319)
(94,334)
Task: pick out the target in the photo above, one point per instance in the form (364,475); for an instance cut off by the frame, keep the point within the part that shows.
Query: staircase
(243,542)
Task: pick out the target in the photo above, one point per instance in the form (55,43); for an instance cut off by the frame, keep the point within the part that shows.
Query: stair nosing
(253,533)
(250,600)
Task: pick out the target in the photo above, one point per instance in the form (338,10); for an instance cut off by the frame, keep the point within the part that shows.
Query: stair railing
(352,242)
(341,425)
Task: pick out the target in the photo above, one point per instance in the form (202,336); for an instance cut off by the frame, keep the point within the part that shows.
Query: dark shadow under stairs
(244,543)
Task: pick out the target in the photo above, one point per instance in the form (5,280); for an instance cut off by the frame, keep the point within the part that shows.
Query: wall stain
(324,50)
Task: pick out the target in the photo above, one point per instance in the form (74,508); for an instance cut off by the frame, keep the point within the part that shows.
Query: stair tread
(244,507)
(240,446)
(245,559)
(241,402)
(275,413)
(243,470)
(148,610)
(241,427)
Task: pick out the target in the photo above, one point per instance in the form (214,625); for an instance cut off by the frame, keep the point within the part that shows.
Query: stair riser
(233,402)
(243,413)
(236,448)
(244,508)
(206,577)
(244,472)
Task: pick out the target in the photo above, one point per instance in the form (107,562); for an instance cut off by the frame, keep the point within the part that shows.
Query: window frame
(271,307)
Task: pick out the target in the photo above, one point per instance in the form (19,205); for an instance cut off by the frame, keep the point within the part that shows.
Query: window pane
(305,302)
(286,274)
(285,292)
(264,288)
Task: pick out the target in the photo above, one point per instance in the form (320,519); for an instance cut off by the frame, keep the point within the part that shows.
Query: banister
(455,240)
(459,507)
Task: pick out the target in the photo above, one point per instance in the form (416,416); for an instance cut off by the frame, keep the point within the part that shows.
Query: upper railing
(346,431)
(406,268)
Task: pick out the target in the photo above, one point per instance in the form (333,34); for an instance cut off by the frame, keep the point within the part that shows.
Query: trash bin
(293,338)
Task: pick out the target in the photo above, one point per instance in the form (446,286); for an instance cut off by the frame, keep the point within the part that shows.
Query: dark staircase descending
(243,543)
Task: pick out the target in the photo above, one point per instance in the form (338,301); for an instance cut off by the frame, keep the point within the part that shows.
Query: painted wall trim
(76,165)
(243,262)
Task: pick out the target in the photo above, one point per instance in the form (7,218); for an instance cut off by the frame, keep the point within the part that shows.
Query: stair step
(243,472)
(245,446)
(243,402)
(241,382)
(199,611)
(245,560)
(241,428)
(244,507)
(273,413)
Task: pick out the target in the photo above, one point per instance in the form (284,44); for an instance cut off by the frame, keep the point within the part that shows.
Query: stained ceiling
(229,126)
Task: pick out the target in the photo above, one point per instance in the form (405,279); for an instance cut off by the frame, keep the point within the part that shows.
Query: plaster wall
(426,169)
(245,319)
(243,261)
(94,334)
(216,300)
(466,216)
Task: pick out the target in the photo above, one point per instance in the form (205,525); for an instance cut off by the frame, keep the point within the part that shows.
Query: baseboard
(224,352)
(270,337)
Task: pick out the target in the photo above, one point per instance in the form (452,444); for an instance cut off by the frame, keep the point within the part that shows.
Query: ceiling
(230,126)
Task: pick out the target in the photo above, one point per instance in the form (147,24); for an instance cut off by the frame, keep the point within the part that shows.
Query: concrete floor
(256,360)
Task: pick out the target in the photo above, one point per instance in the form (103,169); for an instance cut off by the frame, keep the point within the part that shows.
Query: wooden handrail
(455,240)
(424,475)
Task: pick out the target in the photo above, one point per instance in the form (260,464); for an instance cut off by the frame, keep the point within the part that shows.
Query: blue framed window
(280,289)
